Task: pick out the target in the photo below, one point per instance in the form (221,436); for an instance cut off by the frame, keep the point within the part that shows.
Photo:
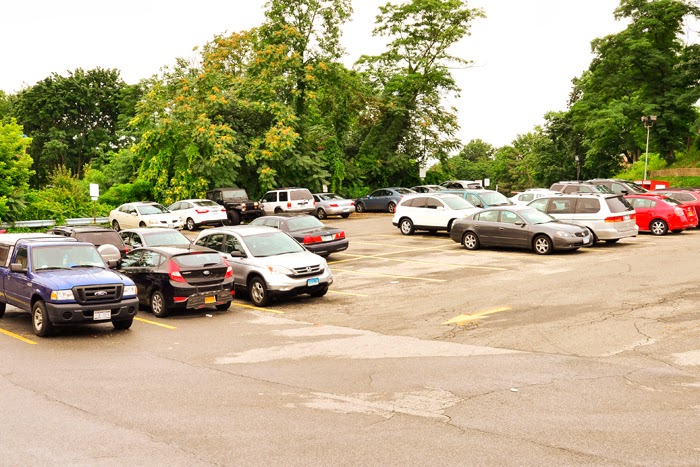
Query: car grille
(98,293)
(312,270)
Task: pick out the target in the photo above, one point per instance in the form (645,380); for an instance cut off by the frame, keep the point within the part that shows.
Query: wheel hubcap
(541,245)
(405,227)
(257,292)
(157,304)
(38,319)
(470,241)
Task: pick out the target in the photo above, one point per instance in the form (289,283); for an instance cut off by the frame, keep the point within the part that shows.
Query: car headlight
(130,291)
(62,295)
(275,269)
(561,233)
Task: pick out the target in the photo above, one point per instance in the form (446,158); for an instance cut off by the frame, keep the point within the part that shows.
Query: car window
(150,259)
(4,253)
(432,203)
(303,223)
(317,198)
(404,191)
(232,244)
(473,199)
(298,195)
(556,187)
(618,204)
(270,197)
(642,203)
(215,241)
(108,237)
(540,204)
(455,202)
(174,206)
(203,203)
(684,197)
(587,206)
(159,237)
(198,259)
(150,209)
(22,257)
(283,196)
(487,216)
(494,198)
(526,197)
(508,217)
(273,223)
(561,206)
(132,259)
(617,188)
(271,244)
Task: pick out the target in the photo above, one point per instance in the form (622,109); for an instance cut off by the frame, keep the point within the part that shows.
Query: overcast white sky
(525,51)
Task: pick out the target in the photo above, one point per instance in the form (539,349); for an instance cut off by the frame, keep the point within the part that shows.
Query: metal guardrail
(51,223)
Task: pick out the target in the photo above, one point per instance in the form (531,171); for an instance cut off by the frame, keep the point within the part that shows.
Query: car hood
(62,279)
(565,226)
(292,260)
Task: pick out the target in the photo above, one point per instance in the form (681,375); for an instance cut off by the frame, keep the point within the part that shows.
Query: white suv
(299,200)
(430,211)
(609,217)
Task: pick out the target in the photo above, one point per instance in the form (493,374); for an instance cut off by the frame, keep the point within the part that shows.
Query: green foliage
(73,119)
(636,171)
(15,170)
(120,193)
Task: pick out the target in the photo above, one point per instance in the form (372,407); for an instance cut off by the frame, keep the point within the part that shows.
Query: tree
(74,118)
(646,69)
(15,170)
(409,125)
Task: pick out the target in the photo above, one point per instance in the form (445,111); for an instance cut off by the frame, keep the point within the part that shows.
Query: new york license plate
(209,299)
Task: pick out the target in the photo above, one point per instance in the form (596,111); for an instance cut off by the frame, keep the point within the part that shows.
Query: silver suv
(299,200)
(268,262)
(609,217)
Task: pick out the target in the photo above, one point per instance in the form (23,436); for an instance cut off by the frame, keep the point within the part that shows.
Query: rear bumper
(327,248)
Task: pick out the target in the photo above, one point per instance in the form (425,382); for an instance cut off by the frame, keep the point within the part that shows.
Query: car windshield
(454,202)
(636,188)
(148,209)
(303,223)
(533,216)
(108,237)
(603,189)
(206,203)
(66,257)
(494,198)
(239,193)
(167,237)
(271,244)
(298,195)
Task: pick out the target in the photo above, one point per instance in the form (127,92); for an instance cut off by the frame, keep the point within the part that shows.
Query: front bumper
(280,283)
(75,313)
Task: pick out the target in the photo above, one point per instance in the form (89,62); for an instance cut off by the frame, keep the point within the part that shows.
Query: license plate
(313,281)
(209,299)
(327,238)
(585,239)
(107,314)
(346,209)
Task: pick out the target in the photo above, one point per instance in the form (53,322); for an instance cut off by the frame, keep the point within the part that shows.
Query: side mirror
(520,224)
(17,267)
(237,254)
(479,205)
(625,192)
(114,264)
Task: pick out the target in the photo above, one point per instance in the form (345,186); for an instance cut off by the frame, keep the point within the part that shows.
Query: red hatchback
(658,214)
(684,196)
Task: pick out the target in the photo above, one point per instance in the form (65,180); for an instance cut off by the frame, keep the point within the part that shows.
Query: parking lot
(421,353)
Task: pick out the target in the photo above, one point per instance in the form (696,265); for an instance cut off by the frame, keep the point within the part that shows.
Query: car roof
(141,203)
(242,230)
(511,207)
(142,230)
(191,200)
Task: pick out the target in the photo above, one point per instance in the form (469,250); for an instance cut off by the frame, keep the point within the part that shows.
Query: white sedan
(132,215)
(431,211)
(196,212)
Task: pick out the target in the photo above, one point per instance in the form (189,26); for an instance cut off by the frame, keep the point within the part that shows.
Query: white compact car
(196,212)
(132,215)
(430,211)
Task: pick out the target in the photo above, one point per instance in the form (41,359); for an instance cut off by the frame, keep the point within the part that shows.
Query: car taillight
(289,204)
(334,205)
(229,270)
(174,272)
(615,219)
(340,235)
(352,203)
(201,211)
(312,239)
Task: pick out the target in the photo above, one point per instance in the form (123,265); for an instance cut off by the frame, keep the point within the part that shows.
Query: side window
(151,259)
(215,241)
(132,259)
(433,203)
(175,206)
(136,240)
(474,200)
(562,206)
(526,197)
(273,223)
(570,189)
(419,202)
(231,244)
(588,206)
(4,253)
(22,257)
(317,199)
(540,204)
(616,188)
(508,217)
(487,216)
(270,197)
(283,196)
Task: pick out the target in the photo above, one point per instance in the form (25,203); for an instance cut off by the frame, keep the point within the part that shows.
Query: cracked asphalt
(423,353)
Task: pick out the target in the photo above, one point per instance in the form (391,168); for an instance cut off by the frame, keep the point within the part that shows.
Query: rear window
(587,206)
(618,204)
(160,238)
(298,195)
(101,238)
(207,203)
(198,259)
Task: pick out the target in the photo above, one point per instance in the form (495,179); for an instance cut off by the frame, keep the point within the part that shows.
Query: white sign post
(94,194)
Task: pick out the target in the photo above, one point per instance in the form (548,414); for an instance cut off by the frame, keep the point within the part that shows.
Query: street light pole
(648,122)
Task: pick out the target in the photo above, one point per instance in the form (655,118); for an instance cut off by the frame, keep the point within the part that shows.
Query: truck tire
(234,218)
(123,323)
(2,309)
(40,320)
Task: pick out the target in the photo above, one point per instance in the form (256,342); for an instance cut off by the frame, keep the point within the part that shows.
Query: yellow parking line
(389,275)
(348,293)
(392,245)
(474,316)
(269,310)
(17,336)
(166,326)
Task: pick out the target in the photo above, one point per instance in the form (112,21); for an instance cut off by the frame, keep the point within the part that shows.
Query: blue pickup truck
(62,282)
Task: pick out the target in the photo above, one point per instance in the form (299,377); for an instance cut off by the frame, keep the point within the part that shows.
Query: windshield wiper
(49,268)
(85,266)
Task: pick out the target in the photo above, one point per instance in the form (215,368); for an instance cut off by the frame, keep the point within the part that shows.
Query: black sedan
(519,227)
(309,231)
(170,278)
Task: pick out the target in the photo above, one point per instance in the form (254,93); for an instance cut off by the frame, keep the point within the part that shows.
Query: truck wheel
(40,320)
(2,309)
(189,224)
(158,306)
(234,217)
(123,323)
